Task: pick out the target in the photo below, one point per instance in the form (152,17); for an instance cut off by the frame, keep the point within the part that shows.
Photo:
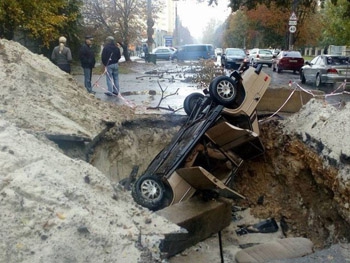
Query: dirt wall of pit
(133,144)
(291,180)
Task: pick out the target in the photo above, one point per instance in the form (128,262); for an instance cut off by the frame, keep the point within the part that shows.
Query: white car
(260,56)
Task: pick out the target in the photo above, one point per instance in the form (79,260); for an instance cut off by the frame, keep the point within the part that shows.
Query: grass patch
(308,58)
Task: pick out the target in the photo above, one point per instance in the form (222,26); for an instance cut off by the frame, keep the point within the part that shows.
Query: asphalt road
(145,90)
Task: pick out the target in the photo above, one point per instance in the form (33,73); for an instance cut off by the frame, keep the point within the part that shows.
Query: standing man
(87,60)
(110,58)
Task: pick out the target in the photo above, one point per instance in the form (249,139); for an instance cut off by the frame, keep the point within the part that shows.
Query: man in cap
(110,58)
(87,60)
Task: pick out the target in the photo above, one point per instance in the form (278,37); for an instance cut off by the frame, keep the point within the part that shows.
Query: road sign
(292,29)
(292,22)
(293,17)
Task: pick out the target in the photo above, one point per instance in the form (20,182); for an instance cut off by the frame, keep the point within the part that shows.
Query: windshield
(235,52)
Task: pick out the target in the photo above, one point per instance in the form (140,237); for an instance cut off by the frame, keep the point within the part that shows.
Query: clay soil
(303,176)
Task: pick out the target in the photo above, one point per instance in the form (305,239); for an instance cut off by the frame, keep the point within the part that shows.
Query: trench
(291,180)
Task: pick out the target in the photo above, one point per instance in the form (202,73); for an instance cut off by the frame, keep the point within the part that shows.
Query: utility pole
(292,25)
(150,24)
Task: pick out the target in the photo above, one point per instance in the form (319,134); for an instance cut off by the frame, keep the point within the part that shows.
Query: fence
(331,49)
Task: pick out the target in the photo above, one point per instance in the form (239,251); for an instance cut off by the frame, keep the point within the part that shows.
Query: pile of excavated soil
(60,209)
(37,96)
(54,208)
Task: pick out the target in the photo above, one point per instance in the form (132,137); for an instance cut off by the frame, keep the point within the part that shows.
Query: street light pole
(176,33)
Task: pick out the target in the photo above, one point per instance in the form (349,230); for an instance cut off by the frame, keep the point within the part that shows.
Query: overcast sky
(196,16)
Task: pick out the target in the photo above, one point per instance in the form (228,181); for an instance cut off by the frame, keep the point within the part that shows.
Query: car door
(311,69)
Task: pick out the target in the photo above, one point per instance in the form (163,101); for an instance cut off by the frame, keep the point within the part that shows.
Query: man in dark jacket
(110,58)
(87,60)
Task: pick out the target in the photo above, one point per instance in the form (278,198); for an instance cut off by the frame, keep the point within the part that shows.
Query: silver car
(326,69)
(260,56)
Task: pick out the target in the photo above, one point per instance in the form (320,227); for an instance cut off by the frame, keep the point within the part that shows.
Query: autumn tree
(41,19)
(126,20)
(236,32)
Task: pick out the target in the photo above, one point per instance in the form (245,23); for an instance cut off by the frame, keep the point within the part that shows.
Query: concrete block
(200,218)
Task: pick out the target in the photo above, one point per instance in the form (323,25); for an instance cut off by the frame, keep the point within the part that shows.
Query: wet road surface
(145,91)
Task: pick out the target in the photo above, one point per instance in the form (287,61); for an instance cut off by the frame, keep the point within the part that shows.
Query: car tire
(223,90)
(149,191)
(191,101)
(302,77)
(269,65)
(279,70)
(318,82)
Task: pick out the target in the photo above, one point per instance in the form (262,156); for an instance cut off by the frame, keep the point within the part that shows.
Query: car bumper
(332,79)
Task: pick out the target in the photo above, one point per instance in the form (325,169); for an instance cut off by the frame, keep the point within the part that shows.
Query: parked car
(163,52)
(326,69)
(218,51)
(221,131)
(232,58)
(194,52)
(260,56)
(288,60)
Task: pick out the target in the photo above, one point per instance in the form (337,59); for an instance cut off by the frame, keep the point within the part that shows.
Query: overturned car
(221,132)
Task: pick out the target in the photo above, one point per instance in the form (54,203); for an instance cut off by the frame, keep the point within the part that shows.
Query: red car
(288,60)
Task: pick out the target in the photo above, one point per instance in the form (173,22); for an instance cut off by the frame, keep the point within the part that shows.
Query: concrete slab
(200,218)
(274,99)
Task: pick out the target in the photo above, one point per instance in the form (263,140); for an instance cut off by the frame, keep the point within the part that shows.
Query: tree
(336,27)
(251,4)
(209,31)
(41,19)
(236,33)
(126,20)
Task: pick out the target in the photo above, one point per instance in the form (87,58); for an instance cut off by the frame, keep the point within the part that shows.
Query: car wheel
(269,65)
(191,101)
(318,80)
(279,70)
(252,63)
(302,77)
(150,192)
(223,90)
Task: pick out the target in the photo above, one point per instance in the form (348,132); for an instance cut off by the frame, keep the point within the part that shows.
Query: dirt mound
(37,96)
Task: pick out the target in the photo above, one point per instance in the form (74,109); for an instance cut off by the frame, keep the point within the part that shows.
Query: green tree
(336,27)
(41,19)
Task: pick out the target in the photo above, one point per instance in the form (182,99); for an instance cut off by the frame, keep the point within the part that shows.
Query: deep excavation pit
(290,180)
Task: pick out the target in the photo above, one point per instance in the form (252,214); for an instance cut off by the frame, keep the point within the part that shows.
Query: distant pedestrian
(62,56)
(120,45)
(110,58)
(87,60)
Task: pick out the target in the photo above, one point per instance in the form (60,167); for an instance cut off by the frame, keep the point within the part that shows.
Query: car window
(314,60)
(265,52)
(338,60)
(235,52)
(293,54)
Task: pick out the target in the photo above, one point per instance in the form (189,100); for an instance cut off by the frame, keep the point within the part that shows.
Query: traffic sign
(292,29)
(293,17)
(292,22)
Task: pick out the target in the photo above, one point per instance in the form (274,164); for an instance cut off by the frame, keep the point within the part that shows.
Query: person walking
(110,58)
(62,56)
(87,61)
